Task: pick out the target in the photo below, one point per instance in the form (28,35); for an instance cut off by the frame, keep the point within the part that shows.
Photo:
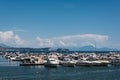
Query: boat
(83,63)
(92,63)
(13,58)
(97,63)
(115,62)
(52,62)
(68,63)
(31,61)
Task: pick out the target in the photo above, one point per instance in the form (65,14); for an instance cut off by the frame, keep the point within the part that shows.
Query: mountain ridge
(92,48)
(83,48)
(4,45)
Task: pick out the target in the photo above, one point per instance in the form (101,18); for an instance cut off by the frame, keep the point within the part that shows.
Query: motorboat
(52,62)
(68,63)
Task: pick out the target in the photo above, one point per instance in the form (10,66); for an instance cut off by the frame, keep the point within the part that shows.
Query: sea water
(12,71)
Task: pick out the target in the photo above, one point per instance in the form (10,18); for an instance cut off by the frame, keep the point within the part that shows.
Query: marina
(66,60)
(12,71)
(78,66)
(59,40)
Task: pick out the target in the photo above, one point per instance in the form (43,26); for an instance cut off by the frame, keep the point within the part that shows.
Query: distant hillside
(87,48)
(4,46)
(107,49)
(91,48)
(67,49)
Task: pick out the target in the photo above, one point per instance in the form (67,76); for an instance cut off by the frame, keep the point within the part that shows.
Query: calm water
(12,71)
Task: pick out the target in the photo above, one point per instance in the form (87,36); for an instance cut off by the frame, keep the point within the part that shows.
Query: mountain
(91,48)
(4,45)
(84,48)
(87,48)
(107,49)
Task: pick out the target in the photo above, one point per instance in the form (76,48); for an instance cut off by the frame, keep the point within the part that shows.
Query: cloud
(5,36)
(18,40)
(45,42)
(13,39)
(72,40)
(9,37)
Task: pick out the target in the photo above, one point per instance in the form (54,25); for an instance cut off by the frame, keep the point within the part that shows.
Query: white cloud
(72,40)
(9,37)
(5,36)
(18,40)
(12,39)
(45,42)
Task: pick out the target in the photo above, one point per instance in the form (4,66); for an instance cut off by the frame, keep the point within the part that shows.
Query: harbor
(66,60)
(59,40)
(11,70)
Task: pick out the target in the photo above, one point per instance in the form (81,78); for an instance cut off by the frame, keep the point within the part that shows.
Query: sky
(60,23)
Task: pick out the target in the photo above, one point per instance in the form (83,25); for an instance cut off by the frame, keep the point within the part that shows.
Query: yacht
(92,63)
(83,63)
(52,62)
(28,61)
(68,63)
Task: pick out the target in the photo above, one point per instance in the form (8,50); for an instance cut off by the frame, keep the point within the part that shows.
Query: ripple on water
(12,71)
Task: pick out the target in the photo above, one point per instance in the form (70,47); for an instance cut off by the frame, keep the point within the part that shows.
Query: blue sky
(47,23)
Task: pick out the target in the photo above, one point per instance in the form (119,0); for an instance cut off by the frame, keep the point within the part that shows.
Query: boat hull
(51,65)
(91,64)
(31,64)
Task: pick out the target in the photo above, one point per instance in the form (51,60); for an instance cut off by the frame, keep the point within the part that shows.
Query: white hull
(52,62)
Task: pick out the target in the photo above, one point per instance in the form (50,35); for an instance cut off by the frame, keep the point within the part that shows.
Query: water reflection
(5,62)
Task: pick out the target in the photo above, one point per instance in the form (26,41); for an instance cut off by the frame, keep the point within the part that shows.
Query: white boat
(52,62)
(68,63)
(115,62)
(83,63)
(13,58)
(92,63)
